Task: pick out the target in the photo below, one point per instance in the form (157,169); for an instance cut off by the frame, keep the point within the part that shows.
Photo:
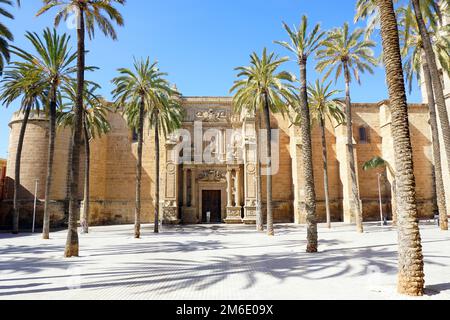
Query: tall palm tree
(165,117)
(142,94)
(433,74)
(54,60)
(24,83)
(261,86)
(411,275)
(323,106)
(426,38)
(95,124)
(5,34)
(368,10)
(416,64)
(346,53)
(100,13)
(303,43)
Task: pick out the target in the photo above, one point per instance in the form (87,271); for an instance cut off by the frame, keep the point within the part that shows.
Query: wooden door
(212,203)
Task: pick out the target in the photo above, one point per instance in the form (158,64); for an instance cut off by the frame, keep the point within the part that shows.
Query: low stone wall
(119,212)
(58,216)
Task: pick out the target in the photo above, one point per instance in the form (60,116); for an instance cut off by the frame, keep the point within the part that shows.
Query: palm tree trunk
(440,191)
(87,148)
(394,203)
(259,216)
(16,206)
(326,187)
(411,275)
(72,245)
(437,87)
(49,178)
(351,154)
(308,169)
(137,214)
(157,156)
(270,228)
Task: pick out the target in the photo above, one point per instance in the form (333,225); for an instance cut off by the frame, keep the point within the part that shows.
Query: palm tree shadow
(437,289)
(173,274)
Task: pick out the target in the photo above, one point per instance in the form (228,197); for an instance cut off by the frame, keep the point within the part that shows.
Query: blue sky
(198,42)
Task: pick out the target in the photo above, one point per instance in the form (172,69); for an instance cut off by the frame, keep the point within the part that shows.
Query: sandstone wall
(34,168)
(113,167)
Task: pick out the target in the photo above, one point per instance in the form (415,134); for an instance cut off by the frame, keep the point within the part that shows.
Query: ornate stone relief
(170,215)
(169,203)
(233,213)
(212,115)
(212,175)
(251,203)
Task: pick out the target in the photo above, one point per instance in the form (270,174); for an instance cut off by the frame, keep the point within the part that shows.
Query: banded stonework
(223,188)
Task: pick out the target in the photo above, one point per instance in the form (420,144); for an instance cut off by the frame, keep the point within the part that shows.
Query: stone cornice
(206,100)
(387,103)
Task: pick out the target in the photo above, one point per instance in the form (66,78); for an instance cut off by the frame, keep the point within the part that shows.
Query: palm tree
(166,116)
(54,61)
(144,93)
(368,10)
(100,13)
(302,45)
(411,275)
(95,124)
(5,34)
(344,52)
(263,87)
(377,163)
(324,107)
(414,65)
(427,41)
(437,87)
(24,83)
(239,105)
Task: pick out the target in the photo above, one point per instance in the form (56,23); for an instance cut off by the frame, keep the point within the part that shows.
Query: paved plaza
(217,262)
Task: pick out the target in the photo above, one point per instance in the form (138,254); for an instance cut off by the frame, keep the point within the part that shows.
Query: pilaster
(349,208)
(171,197)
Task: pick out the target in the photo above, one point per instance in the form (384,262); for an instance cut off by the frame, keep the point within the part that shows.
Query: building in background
(227,187)
(2,177)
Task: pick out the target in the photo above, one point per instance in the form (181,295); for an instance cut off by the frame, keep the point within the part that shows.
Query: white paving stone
(217,262)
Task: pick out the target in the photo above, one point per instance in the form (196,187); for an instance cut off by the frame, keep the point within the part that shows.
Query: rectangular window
(363,135)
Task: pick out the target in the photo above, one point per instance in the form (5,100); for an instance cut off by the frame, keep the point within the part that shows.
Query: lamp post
(381,200)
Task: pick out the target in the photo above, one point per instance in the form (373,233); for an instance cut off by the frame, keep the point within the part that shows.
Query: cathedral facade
(209,172)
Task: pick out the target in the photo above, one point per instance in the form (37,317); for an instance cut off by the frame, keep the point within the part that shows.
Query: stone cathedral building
(226,186)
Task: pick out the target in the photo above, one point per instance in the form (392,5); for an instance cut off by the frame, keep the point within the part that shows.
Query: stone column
(193,191)
(238,188)
(185,193)
(229,189)
(220,145)
(233,212)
